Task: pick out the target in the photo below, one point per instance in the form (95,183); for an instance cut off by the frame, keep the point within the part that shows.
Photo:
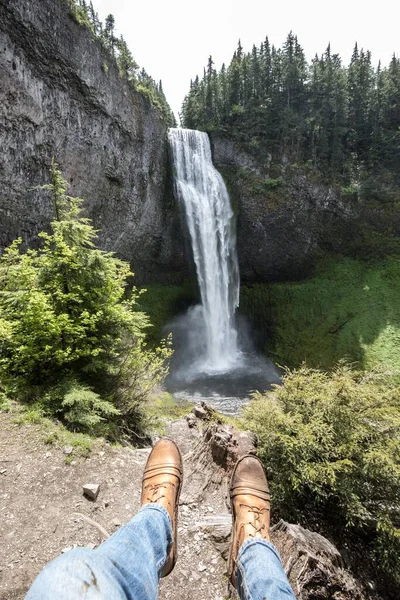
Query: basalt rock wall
(287,222)
(61,96)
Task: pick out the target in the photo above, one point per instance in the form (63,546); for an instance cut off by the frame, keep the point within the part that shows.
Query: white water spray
(204,197)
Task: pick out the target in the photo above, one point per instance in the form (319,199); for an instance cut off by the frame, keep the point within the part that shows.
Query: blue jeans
(129,564)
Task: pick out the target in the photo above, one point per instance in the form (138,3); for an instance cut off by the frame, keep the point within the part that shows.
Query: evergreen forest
(342,122)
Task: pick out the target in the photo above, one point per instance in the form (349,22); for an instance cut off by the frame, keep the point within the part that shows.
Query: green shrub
(65,316)
(78,405)
(350,192)
(272,184)
(79,14)
(5,402)
(333,441)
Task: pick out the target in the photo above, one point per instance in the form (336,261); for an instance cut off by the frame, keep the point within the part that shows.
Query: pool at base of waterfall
(226,391)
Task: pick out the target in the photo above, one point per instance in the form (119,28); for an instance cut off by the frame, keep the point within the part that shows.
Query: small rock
(116,523)
(91,490)
(202,567)
(48,454)
(91,546)
(3,471)
(200,412)
(68,549)
(68,449)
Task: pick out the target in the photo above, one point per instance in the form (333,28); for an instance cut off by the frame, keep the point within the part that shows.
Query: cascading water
(208,363)
(204,197)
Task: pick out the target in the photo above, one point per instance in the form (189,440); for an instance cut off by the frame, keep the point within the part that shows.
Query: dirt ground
(41,508)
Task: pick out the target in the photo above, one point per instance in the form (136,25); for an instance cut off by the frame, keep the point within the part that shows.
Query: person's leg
(260,572)
(127,566)
(255,568)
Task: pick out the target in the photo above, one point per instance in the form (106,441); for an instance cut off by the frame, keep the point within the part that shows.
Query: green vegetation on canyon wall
(84,14)
(349,309)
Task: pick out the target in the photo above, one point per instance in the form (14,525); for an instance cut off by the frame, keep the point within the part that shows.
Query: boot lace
(256,514)
(157,491)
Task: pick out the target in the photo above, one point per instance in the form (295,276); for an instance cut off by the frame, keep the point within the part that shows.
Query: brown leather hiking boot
(162,480)
(250,502)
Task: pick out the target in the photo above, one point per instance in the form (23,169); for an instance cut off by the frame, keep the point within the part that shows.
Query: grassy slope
(350,309)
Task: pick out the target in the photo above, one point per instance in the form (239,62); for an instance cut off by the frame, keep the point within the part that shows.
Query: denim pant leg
(260,573)
(125,567)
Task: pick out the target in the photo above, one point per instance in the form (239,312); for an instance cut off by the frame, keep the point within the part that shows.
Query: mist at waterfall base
(193,378)
(211,361)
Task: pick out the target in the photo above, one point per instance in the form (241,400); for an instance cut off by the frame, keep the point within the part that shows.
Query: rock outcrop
(61,95)
(285,223)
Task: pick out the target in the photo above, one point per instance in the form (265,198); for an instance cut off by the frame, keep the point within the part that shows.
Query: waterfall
(205,200)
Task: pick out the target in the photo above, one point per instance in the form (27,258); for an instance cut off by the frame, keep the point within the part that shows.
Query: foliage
(67,323)
(5,402)
(78,405)
(333,441)
(343,122)
(349,308)
(78,10)
(83,12)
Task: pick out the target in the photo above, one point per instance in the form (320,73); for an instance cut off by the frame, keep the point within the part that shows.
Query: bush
(79,14)
(68,325)
(333,441)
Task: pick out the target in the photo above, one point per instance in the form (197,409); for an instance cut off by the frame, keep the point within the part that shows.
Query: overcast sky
(172,39)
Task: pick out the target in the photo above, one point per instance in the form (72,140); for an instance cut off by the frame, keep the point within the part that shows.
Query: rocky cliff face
(286,224)
(61,95)
(282,224)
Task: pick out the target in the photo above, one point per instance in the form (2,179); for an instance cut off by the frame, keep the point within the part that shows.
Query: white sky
(172,39)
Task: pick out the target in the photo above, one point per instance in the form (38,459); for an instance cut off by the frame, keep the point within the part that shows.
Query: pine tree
(126,63)
(77,340)
(109,34)
(345,122)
